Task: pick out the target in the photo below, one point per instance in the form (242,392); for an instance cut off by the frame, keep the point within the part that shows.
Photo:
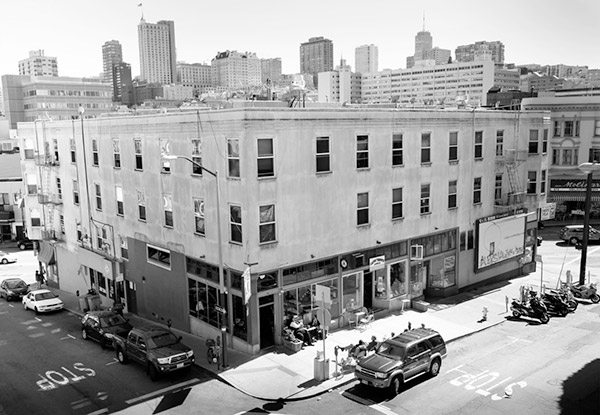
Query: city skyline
(532,32)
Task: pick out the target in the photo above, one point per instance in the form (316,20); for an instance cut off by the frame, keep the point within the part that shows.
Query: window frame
(498,179)
(266,224)
(158,262)
(232,225)
(119,200)
(75,192)
(95,155)
(265,157)
(453,146)
(425,199)
(233,158)
(116,153)
(362,151)
(534,141)
(453,194)
(397,203)
(168,210)
(499,143)
(199,216)
(98,196)
(531,182)
(477,186)
(426,149)
(361,209)
(142,215)
(478,145)
(321,156)
(196,157)
(397,150)
(543,181)
(138,150)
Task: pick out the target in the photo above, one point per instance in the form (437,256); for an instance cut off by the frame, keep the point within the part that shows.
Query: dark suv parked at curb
(401,358)
(25,243)
(103,326)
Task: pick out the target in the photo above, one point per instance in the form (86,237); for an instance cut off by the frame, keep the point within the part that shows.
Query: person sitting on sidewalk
(300,331)
(372,345)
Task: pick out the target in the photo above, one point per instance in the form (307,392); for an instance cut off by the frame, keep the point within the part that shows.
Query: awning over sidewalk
(572,195)
(46,254)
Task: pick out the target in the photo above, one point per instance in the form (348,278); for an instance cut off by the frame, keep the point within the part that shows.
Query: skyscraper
(423,44)
(270,69)
(38,65)
(112,54)
(158,63)
(366,59)
(122,84)
(474,51)
(316,56)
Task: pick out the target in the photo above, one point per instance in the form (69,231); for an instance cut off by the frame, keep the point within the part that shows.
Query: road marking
(3,312)
(31,328)
(99,411)
(46,324)
(67,337)
(38,319)
(55,331)
(29,322)
(102,396)
(80,403)
(382,409)
(34,335)
(112,363)
(162,391)
(11,306)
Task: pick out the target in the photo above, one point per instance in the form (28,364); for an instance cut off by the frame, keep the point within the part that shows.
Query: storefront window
(397,279)
(239,318)
(267,281)
(202,301)
(290,302)
(351,291)
(442,272)
(333,292)
(418,271)
(304,299)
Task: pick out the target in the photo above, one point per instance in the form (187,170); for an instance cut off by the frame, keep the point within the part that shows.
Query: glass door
(352,291)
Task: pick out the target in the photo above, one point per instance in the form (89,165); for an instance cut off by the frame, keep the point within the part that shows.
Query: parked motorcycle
(567,296)
(534,308)
(586,292)
(555,304)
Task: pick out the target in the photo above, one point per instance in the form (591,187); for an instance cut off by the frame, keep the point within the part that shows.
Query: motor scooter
(585,292)
(555,304)
(534,308)
(567,296)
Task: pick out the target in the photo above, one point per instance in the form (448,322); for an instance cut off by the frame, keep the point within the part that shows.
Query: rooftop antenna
(423,20)
(140,5)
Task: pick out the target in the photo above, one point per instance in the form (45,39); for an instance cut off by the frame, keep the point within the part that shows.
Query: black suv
(401,358)
(102,326)
(25,243)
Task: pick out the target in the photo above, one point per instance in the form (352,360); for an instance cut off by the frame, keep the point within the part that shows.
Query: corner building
(334,197)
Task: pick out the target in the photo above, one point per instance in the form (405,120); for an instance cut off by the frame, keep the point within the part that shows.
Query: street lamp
(220,250)
(589,169)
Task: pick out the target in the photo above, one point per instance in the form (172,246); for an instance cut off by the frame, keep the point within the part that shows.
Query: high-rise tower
(316,56)
(158,61)
(112,54)
(366,58)
(38,64)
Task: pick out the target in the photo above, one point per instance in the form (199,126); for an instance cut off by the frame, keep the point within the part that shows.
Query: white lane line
(34,335)
(161,391)
(383,409)
(31,328)
(28,322)
(112,363)
(73,337)
(55,331)
(68,336)
(46,324)
(99,411)
(3,312)
(11,306)
(38,319)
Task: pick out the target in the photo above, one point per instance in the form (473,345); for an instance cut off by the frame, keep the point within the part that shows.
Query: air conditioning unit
(416,252)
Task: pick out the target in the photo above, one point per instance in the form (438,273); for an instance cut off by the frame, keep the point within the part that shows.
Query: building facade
(123,91)
(112,54)
(270,70)
(377,206)
(535,81)
(11,196)
(474,51)
(195,75)
(233,69)
(38,64)
(366,59)
(341,85)
(316,56)
(28,98)
(158,58)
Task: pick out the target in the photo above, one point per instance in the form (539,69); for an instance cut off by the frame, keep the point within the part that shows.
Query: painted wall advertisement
(499,238)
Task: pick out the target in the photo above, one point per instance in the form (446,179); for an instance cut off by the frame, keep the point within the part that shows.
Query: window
(124,247)
(531,182)
(235,223)
(31,184)
(533,141)
(425,201)
(478,150)
(499,143)
(267,224)
(545,142)
(543,182)
(425,148)
(139,162)
(62,224)
(362,151)
(196,157)
(568,131)
(141,206)
(116,153)
(476,190)
(397,150)
(59,188)
(75,192)
(265,162)
(233,157)
(165,164)
(168,209)
(498,188)
(199,225)
(570,157)
(55,146)
(452,194)
(323,155)
(35,218)
(362,209)
(594,155)
(397,203)
(555,156)
(101,283)
(158,256)
(557,129)
(98,196)
(597,128)
(95,152)
(73,152)
(453,146)
(202,301)
(119,195)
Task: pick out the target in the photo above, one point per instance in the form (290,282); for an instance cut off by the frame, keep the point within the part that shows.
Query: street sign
(324,317)
(246,277)
(220,309)
(322,296)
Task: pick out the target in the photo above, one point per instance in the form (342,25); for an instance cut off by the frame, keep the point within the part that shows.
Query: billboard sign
(547,211)
(499,239)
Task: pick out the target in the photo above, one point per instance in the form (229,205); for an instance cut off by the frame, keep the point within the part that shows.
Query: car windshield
(392,350)
(44,296)
(109,321)
(162,340)
(12,284)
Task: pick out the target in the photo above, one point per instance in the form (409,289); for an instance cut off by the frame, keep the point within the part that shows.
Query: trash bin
(321,368)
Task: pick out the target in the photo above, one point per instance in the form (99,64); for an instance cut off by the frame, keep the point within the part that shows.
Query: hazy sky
(533,31)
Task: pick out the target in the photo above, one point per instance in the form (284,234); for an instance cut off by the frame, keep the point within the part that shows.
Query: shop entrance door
(131,297)
(352,291)
(266,311)
(368,290)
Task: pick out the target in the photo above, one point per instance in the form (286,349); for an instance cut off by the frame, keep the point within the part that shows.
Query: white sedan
(42,301)
(5,257)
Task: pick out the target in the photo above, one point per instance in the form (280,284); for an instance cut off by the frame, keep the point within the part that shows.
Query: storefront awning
(572,195)
(46,254)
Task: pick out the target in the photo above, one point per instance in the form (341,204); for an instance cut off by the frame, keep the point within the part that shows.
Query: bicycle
(213,351)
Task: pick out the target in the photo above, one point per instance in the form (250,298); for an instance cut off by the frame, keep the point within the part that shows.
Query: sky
(533,31)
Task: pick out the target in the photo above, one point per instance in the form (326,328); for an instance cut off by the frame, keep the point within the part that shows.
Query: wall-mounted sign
(376,263)
(565,184)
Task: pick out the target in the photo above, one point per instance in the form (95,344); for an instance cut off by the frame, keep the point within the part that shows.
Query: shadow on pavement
(366,395)
(440,303)
(581,391)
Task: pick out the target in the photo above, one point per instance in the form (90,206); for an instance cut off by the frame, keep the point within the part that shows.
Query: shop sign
(246,278)
(563,184)
(376,263)
(548,211)
(577,212)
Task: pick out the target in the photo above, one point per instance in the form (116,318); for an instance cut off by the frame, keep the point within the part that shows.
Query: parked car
(573,234)
(13,288)
(25,243)
(102,326)
(42,301)
(155,348)
(5,257)
(401,358)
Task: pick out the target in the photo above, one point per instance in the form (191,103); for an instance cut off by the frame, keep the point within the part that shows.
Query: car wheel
(4,261)
(121,357)
(595,298)
(84,335)
(36,310)
(22,247)
(434,369)
(395,386)
(573,241)
(153,372)
(516,314)
(24,306)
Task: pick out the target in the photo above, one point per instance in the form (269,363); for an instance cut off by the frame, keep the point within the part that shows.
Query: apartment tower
(366,59)
(38,65)
(157,51)
(112,54)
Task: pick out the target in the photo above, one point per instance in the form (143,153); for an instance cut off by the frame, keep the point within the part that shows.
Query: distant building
(177,92)
(481,50)
(507,99)
(341,85)
(270,69)
(195,75)
(425,54)
(28,98)
(158,61)
(535,81)
(38,64)
(122,84)
(423,44)
(11,196)
(366,59)
(112,54)
(316,56)
(233,69)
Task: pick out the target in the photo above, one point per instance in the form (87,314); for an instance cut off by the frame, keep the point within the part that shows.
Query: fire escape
(49,191)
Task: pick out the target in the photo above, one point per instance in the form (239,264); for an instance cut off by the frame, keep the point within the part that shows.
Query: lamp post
(224,362)
(589,169)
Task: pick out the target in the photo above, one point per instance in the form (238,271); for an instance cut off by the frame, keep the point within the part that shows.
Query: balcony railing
(512,156)
(49,198)
(46,160)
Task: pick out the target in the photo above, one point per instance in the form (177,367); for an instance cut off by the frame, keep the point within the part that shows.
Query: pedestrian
(372,344)
(300,331)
